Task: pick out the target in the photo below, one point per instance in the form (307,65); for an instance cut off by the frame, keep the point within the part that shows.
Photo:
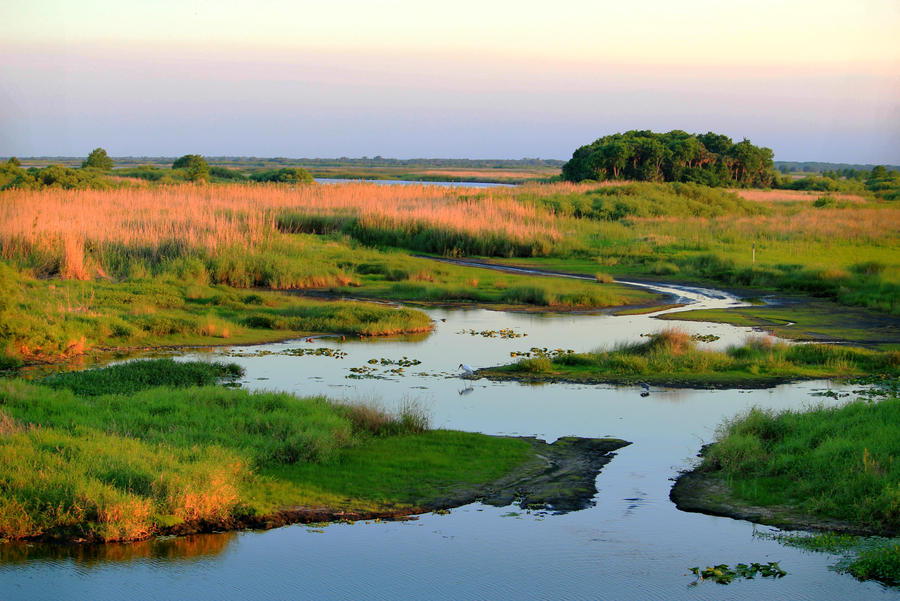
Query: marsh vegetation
(148,447)
(675,358)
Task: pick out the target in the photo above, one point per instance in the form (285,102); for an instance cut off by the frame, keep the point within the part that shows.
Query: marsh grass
(866,558)
(132,377)
(54,319)
(836,462)
(131,462)
(671,356)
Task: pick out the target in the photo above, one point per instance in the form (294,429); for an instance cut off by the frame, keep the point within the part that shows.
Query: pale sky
(817,80)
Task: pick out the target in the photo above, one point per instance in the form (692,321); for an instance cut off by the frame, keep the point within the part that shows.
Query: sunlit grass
(108,455)
(673,357)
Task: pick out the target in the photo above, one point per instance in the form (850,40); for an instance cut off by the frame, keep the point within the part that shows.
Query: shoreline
(749,384)
(698,492)
(558,477)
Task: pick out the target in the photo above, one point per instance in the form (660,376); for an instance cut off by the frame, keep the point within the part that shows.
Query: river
(631,544)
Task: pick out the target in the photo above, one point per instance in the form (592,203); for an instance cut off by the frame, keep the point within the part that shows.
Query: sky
(813,80)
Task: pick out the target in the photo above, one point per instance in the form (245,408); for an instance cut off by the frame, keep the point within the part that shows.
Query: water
(403,182)
(632,544)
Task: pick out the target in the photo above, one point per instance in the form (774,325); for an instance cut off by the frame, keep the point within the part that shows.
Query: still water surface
(632,544)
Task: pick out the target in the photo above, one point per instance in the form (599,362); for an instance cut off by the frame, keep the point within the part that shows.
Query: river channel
(631,544)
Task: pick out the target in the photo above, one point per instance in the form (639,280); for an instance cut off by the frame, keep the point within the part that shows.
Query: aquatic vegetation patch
(390,366)
(542,352)
(704,337)
(322,351)
(723,574)
(505,333)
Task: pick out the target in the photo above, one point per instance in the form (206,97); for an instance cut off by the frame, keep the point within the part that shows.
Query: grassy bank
(824,468)
(844,249)
(672,357)
(46,320)
(82,462)
(808,320)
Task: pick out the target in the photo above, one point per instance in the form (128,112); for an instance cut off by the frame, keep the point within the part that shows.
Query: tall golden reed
(213,217)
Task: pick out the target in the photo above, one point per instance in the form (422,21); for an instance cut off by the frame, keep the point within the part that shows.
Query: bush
(98,159)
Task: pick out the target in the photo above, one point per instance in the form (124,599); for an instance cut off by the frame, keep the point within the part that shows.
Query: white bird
(467,369)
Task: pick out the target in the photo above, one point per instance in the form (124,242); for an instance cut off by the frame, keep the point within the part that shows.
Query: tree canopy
(98,159)
(296,175)
(677,156)
(195,166)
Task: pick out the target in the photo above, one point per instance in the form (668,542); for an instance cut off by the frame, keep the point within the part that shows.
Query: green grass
(836,463)
(140,375)
(190,298)
(866,558)
(380,471)
(75,463)
(807,319)
(672,357)
(690,232)
(51,319)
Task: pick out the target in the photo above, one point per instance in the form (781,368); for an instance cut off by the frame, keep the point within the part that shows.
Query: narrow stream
(632,544)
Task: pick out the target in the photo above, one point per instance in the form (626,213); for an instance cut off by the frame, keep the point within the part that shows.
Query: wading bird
(646,387)
(467,369)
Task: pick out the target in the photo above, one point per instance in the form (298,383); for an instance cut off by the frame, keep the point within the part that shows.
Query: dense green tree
(98,159)
(710,158)
(195,167)
(296,175)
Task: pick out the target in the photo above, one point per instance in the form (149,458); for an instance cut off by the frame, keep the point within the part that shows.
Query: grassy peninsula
(828,468)
(151,447)
(673,358)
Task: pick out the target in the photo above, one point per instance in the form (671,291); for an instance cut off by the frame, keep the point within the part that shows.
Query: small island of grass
(673,358)
(156,447)
(830,469)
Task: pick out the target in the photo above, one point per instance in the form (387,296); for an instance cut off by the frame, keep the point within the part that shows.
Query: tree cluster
(52,176)
(195,167)
(295,175)
(677,156)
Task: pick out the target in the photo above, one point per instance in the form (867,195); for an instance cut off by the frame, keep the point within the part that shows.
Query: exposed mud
(702,492)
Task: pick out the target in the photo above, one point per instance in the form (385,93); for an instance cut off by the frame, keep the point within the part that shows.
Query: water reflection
(88,555)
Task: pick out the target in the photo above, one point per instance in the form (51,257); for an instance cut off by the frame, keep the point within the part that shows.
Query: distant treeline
(882,182)
(264,162)
(96,172)
(819,167)
(677,156)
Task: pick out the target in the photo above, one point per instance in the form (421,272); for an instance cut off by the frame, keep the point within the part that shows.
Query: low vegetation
(164,265)
(46,320)
(865,558)
(807,319)
(672,357)
(108,455)
(836,462)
